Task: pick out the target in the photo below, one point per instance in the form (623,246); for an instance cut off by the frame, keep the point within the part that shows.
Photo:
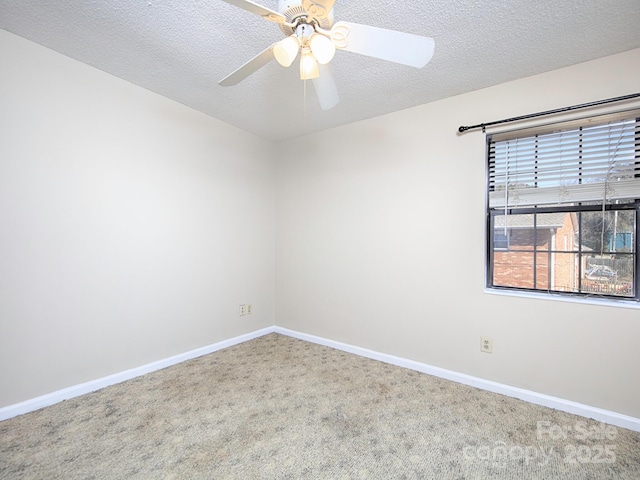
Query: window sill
(565,298)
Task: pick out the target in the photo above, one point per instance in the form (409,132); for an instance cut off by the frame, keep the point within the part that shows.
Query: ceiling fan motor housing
(293,9)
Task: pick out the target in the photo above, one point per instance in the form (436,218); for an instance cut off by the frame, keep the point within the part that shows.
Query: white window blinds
(579,164)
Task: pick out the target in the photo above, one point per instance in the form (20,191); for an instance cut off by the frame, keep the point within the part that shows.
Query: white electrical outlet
(243,310)
(486,344)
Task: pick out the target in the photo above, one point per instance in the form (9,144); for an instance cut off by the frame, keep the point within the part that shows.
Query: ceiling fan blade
(318,8)
(325,87)
(399,47)
(248,68)
(259,10)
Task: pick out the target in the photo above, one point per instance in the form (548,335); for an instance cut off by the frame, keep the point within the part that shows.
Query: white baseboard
(93,385)
(606,416)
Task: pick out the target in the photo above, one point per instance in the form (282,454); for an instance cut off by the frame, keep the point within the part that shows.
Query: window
(563,208)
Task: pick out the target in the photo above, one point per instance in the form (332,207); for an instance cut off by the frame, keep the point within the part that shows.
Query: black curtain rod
(463,129)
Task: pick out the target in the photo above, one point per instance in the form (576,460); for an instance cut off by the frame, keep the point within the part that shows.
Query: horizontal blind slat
(524,197)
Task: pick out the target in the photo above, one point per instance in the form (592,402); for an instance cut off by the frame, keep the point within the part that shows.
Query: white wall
(380,244)
(131,227)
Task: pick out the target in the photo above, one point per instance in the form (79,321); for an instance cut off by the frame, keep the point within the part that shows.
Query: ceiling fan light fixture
(322,47)
(285,51)
(310,30)
(308,66)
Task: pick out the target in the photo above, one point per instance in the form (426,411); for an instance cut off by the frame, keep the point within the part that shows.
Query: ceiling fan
(310,31)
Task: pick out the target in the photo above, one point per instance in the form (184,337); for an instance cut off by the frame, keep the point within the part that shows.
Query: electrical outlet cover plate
(486,344)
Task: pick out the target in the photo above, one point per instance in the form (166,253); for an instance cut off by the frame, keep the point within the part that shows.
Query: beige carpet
(280,408)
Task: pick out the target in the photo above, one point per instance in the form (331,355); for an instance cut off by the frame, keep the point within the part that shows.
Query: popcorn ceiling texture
(181,49)
(280,408)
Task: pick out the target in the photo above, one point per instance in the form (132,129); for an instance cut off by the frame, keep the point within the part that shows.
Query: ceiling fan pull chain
(304,98)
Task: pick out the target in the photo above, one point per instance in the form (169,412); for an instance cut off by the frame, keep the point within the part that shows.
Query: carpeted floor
(280,408)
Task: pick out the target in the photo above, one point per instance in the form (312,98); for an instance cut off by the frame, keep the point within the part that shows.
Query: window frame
(491,213)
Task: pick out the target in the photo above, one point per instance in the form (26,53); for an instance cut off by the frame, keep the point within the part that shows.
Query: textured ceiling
(181,49)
